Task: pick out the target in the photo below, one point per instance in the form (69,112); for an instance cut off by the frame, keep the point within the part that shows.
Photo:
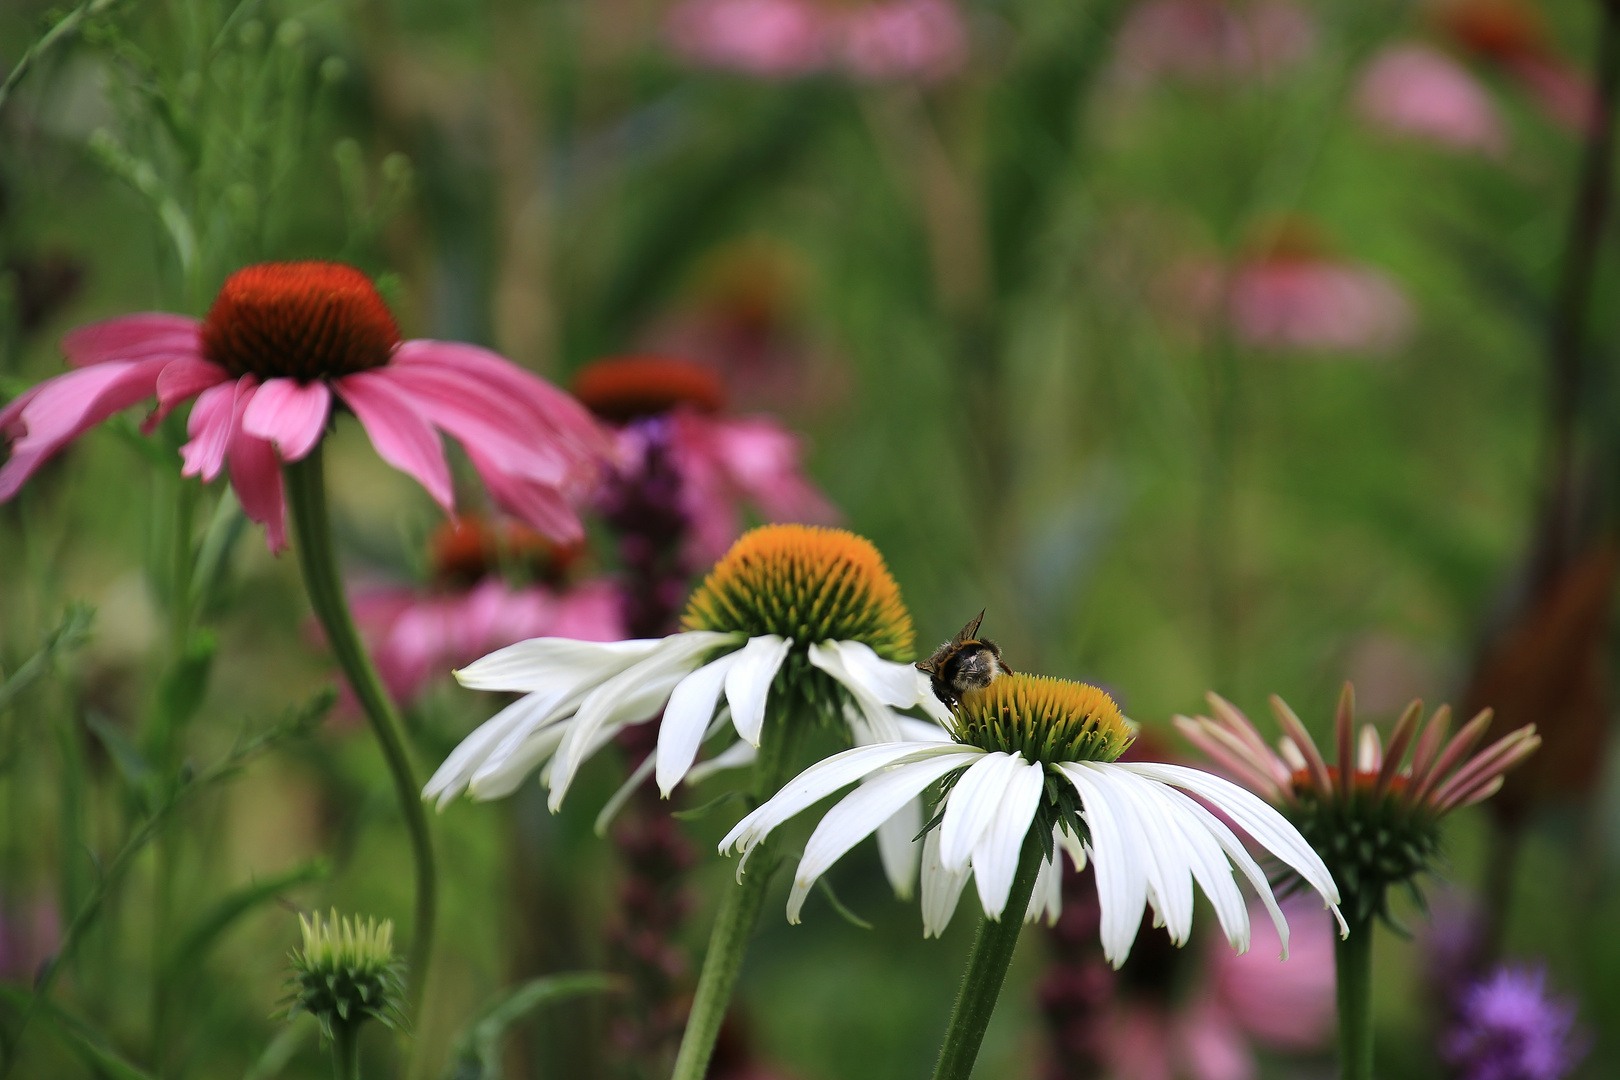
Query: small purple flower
(1510,1028)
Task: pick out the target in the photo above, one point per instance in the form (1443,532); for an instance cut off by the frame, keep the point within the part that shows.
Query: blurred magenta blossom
(1510,1028)
(916,40)
(1243,1000)
(1205,40)
(1511,35)
(282,344)
(1318,304)
(1414,90)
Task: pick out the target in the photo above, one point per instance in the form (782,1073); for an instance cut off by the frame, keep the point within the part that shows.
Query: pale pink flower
(1205,40)
(280,340)
(922,40)
(1511,34)
(773,39)
(1317,304)
(1415,90)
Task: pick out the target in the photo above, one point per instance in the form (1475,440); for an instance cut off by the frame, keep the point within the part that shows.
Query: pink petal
(256,474)
(762,460)
(540,505)
(134,337)
(290,415)
(1415,90)
(210,429)
(402,436)
(180,381)
(60,409)
(590,611)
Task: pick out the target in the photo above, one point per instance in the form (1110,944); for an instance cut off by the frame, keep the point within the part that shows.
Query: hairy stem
(986,970)
(1353,968)
(346,1051)
(740,908)
(312,531)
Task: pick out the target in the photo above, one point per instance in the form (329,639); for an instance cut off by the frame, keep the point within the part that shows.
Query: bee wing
(929,666)
(970,631)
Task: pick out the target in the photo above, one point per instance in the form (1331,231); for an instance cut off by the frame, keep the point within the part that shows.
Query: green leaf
(476,1053)
(201,938)
(68,635)
(278,1052)
(838,905)
(132,765)
(86,1040)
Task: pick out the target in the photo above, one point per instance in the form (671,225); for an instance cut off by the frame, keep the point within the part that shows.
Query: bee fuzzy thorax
(966,662)
(1044,719)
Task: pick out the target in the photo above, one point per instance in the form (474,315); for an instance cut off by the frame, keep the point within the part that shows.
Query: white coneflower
(800,608)
(1031,759)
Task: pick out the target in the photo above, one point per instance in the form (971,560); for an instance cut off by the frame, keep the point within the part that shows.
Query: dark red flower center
(299,320)
(1501,30)
(469,549)
(622,388)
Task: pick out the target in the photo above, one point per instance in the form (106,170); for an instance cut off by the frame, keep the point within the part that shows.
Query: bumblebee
(966,662)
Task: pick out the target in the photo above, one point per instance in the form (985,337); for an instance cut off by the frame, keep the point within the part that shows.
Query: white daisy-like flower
(1030,752)
(804,610)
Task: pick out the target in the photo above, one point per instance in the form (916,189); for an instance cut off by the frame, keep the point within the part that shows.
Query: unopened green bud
(347,973)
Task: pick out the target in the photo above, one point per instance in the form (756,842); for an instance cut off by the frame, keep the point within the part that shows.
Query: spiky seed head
(1044,719)
(346,973)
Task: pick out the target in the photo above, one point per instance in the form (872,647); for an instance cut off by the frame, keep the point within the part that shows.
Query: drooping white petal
(1047,899)
(748,683)
(541,664)
(930,704)
(1208,862)
(686,720)
(827,776)
(858,815)
(632,696)
(1255,817)
(899,849)
(1162,849)
(499,777)
(941,888)
(892,683)
(517,721)
(913,730)
(996,855)
(832,657)
(1121,880)
(972,806)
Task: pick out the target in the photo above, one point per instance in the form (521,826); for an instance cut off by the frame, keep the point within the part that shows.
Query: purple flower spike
(1510,1028)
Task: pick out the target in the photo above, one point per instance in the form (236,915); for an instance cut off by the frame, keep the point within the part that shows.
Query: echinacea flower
(280,343)
(918,40)
(795,606)
(770,39)
(1413,90)
(415,635)
(1375,822)
(1510,1028)
(1512,35)
(1288,300)
(1212,40)
(345,974)
(1035,757)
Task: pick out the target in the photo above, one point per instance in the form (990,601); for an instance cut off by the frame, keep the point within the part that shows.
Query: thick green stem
(346,1051)
(740,907)
(986,970)
(1353,966)
(312,532)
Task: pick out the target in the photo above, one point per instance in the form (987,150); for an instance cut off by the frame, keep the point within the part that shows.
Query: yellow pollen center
(807,583)
(1044,719)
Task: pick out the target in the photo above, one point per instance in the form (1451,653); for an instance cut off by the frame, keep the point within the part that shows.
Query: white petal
(547,663)
(748,684)
(827,776)
(930,704)
(1254,816)
(738,755)
(858,815)
(518,720)
(899,848)
(941,888)
(913,730)
(892,683)
(972,806)
(1072,846)
(830,656)
(1121,881)
(499,777)
(632,696)
(995,856)
(1167,854)
(686,719)
(1209,865)
(1047,899)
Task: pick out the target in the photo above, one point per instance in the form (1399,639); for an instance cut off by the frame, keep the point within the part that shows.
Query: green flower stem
(1353,967)
(986,970)
(740,907)
(346,1051)
(312,532)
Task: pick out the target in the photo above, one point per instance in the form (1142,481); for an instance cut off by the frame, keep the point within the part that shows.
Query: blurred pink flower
(772,39)
(1511,35)
(923,40)
(1203,40)
(1317,304)
(1243,1000)
(1415,90)
(280,340)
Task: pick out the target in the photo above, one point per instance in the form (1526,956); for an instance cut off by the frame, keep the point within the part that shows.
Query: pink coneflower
(921,40)
(769,39)
(415,635)
(1512,36)
(280,340)
(671,412)
(1414,90)
(1209,40)
(1288,299)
